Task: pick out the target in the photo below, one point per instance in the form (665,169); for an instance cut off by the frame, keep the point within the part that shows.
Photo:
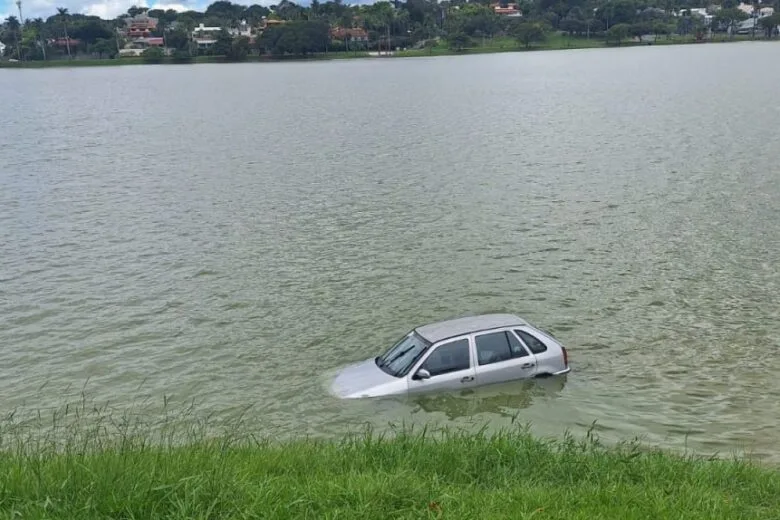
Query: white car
(456,354)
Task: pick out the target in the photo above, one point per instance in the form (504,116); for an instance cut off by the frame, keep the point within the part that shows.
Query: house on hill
(140,26)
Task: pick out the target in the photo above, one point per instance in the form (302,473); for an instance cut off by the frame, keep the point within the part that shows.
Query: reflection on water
(504,400)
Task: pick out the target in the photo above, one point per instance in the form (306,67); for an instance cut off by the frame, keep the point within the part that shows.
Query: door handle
(466,379)
(527,365)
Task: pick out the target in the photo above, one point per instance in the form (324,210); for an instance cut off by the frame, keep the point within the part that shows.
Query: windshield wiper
(401,354)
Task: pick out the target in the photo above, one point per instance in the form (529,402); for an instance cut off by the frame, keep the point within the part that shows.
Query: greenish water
(230,235)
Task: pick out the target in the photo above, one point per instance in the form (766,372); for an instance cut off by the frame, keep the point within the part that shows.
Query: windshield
(399,359)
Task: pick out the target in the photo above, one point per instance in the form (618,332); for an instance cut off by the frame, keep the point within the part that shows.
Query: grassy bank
(563,42)
(108,62)
(484,46)
(409,475)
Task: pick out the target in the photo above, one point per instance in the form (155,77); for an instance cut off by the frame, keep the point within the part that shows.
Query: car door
(549,359)
(450,366)
(501,356)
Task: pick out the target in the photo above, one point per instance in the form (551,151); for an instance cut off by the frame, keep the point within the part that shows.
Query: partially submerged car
(456,354)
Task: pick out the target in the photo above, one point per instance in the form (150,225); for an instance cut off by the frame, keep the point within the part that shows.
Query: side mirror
(422,374)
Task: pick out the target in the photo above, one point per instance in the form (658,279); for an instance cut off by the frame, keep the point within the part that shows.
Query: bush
(153,55)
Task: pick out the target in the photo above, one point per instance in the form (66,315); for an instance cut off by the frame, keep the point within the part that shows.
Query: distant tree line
(414,23)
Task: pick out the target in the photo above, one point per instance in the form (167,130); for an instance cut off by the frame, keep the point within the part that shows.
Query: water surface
(229,235)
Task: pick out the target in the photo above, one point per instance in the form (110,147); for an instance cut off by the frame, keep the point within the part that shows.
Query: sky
(104,8)
(110,9)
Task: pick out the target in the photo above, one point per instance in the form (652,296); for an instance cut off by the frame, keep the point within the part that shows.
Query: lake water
(229,235)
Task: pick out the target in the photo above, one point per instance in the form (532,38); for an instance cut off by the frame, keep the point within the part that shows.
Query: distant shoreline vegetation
(498,46)
(229,32)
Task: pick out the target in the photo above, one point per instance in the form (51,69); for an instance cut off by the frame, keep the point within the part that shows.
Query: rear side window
(534,344)
(518,350)
(498,346)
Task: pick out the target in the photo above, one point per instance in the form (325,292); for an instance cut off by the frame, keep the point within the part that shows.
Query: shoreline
(556,43)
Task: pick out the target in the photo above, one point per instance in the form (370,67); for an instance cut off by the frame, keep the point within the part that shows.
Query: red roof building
(140,26)
(154,41)
(63,42)
(354,34)
(509,10)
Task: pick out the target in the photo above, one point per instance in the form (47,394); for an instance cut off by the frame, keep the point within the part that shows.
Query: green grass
(94,62)
(69,63)
(507,44)
(557,42)
(123,468)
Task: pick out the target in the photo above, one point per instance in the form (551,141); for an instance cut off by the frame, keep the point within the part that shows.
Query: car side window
(534,344)
(449,357)
(492,348)
(495,347)
(517,348)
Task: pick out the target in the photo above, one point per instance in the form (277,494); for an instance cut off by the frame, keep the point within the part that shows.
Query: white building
(205,36)
(762,12)
(243,29)
(702,13)
(2,49)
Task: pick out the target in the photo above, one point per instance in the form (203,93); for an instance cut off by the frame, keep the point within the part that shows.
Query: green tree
(185,23)
(153,55)
(378,19)
(178,39)
(39,26)
(685,23)
(105,46)
(30,43)
(614,12)
(92,31)
(62,14)
(14,28)
(527,33)
(298,38)
(226,11)
(474,19)
(135,10)
(573,25)
(239,49)
(254,13)
(617,33)
(661,28)
(770,24)
(223,45)
(639,29)
(421,12)
(458,40)
(289,11)
(728,18)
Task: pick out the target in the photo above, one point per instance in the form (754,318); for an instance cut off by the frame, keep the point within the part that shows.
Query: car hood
(365,379)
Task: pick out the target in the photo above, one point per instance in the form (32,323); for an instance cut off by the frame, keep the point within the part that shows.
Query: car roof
(438,331)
